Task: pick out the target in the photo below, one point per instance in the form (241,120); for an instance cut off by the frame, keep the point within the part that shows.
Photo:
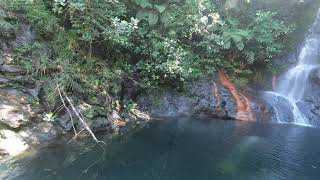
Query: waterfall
(291,86)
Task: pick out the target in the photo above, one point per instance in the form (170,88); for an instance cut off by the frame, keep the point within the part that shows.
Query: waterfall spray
(291,86)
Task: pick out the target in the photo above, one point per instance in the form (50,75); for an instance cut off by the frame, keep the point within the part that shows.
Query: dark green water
(183,149)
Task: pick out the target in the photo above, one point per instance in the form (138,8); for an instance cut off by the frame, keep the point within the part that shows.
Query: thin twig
(76,135)
(58,109)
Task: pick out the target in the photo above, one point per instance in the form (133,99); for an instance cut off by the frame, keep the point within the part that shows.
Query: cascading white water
(291,87)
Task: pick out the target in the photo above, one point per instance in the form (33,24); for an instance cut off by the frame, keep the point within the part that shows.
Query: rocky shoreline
(25,105)
(25,118)
(29,116)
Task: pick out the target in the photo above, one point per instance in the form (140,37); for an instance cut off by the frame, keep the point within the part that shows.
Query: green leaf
(238,41)
(153,18)
(240,45)
(244,33)
(227,45)
(143,3)
(160,8)
(61,2)
(77,5)
(250,56)
(165,18)
(142,14)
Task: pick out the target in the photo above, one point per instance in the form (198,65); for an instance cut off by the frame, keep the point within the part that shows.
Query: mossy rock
(7,30)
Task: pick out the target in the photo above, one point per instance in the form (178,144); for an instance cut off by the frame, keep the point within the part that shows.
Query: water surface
(182,149)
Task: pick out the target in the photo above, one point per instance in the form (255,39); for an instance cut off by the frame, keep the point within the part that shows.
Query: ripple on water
(184,149)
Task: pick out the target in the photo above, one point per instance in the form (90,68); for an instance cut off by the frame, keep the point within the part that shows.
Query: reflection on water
(182,149)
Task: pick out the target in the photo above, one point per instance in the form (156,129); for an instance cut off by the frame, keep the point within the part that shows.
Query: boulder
(129,90)
(13,143)
(11,69)
(7,30)
(277,103)
(315,76)
(16,107)
(310,103)
(97,117)
(64,121)
(202,99)
(99,124)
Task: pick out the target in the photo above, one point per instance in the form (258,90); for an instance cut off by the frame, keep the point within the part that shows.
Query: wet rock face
(207,99)
(21,124)
(200,101)
(16,108)
(18,94)
(315,76)
(129,90)
(310,104)
(279,104)
(13,142)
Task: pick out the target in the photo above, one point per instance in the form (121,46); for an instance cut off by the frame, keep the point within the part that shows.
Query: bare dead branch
(69,112)
(78,114)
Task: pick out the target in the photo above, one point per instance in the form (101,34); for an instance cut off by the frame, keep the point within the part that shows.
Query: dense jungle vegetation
(155,43)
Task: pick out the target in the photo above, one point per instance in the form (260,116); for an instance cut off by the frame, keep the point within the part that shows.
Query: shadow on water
(182,149)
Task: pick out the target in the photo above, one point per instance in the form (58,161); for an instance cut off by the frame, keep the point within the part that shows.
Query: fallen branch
(69,112)
(78,114)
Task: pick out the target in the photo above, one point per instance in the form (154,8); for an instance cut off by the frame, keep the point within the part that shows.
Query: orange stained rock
(119,123)
(216,93)
(244,111)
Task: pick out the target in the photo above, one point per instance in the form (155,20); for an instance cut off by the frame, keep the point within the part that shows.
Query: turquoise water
(182,149)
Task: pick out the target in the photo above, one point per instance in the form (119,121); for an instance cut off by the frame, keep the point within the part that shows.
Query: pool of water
(181,149)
